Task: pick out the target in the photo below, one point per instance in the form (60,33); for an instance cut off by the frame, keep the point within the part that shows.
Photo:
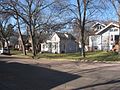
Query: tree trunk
(32,38)
(82,25)
(82,44)
(2,44)
(31,30)
(83,29)
(33,46)
(8,46)
(20,35)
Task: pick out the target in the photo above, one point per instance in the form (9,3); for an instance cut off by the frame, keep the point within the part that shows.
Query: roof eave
(106,28)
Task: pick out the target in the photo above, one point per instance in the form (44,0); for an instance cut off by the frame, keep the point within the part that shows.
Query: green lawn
(71,56)
(103,56)
(20,54)
(91,56)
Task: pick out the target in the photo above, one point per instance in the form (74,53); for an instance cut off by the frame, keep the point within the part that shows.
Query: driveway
(28,74)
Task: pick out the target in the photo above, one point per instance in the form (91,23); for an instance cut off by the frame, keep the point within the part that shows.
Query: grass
(60,56)
(103,56)
(91,56)
(20,54)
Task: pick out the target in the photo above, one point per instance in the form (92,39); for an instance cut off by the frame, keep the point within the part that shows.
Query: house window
(43,46)
(112,43)
(116,39)
(55,45)
(111,37)
(50,45)
(111,30)
(46,45)
(115,29)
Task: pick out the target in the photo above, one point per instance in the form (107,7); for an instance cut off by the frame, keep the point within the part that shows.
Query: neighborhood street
(28,74)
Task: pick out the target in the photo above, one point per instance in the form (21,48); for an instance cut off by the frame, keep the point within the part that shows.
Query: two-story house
(105,38)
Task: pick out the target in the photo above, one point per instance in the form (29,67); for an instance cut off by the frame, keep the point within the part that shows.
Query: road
(28,74)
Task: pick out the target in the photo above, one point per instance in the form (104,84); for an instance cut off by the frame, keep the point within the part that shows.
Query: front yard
(91,56)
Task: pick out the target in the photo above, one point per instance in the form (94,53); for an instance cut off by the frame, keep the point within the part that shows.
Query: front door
(116,39)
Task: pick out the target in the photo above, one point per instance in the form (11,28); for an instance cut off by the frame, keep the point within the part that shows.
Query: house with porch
(105,38)
(60,43)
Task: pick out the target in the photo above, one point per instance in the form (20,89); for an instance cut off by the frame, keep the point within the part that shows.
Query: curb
(95,61)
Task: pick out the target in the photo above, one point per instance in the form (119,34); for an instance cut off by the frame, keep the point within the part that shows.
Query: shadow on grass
(17,76)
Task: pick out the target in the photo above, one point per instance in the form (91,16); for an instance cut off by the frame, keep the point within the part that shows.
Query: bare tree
(85,12)
(33,13)
(20,35)
(6,31)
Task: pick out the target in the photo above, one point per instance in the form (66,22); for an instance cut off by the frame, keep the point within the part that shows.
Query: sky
(108,14)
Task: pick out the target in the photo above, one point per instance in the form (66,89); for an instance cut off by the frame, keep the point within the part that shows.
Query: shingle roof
(65,36)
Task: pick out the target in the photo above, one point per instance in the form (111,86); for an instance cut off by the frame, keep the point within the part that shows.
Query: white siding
(59,45)
(95,42)
(55,44)
(107,43)
(106,40)
(55,38)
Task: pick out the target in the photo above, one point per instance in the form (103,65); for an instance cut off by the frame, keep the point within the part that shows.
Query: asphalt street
(28,74)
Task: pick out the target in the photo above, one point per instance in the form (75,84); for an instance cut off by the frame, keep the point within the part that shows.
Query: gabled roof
(97,24)
(109,25)
(63,36)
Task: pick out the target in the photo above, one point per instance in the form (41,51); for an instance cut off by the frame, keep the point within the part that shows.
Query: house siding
(95,42)
(105,39)
(55,43)
(60,45)
(68,46)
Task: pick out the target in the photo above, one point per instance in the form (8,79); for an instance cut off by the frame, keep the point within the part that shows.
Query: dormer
(98,26)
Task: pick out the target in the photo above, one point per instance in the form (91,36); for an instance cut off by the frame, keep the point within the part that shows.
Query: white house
(60,43)
(105,38)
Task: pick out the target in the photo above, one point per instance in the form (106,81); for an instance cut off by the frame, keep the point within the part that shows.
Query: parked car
(3,51)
